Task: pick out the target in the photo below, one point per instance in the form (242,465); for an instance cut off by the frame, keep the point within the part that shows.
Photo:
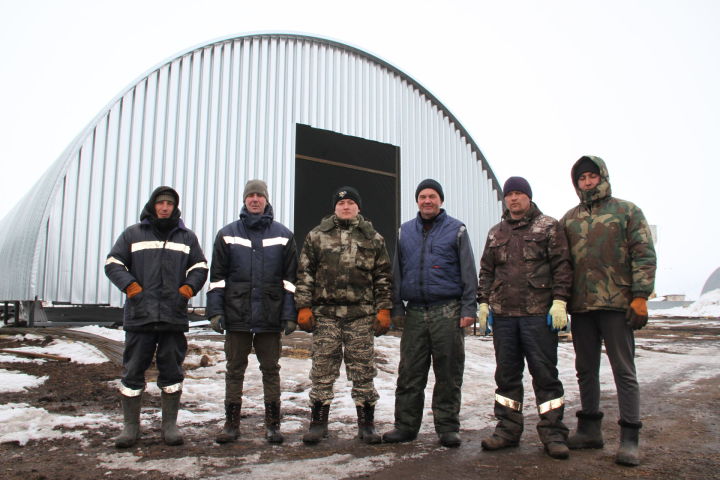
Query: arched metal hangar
(306,114)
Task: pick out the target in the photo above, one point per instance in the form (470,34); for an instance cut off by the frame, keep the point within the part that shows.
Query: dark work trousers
(589,331)
(517,339)
(238,346)
(169,349)
(430,333)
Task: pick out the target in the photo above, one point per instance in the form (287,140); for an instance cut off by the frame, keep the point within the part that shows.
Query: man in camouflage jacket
(614,263)
(525,273)
(343,295)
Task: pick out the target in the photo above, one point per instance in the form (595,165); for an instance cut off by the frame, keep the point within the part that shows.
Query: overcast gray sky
(537,85)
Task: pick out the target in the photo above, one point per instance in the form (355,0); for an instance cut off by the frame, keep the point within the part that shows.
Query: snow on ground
(707,306)
(111,333)
(204,389)
(19,422)
(17,382)
(78,352)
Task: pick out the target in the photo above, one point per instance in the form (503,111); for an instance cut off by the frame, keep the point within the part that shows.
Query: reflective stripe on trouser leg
(177,387)
(509,403)
(551,405)
(130,392)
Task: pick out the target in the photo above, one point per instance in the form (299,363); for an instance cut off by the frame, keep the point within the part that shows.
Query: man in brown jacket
(525,281)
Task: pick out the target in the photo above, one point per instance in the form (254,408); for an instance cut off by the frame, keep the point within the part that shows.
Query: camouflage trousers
(337,339)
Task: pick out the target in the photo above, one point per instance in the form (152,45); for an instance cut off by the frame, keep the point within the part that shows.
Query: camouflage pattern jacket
(525,265)
(611,247)
(344,269)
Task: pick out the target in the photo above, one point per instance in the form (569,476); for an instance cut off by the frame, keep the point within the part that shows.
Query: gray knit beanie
(256,186)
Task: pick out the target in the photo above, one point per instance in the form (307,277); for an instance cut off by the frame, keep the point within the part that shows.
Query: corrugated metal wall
(207,121)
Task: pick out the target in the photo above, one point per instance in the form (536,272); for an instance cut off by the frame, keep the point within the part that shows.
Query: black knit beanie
(430,183)
(346,192)
(585,164)
(517,184)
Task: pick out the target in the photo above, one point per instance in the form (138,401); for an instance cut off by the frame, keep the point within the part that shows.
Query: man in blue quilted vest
(434,273)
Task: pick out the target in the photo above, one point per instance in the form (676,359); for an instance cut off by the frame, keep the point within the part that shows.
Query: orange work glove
(186,291)
(637,314)
(133,289)
(306,319)
(381,324)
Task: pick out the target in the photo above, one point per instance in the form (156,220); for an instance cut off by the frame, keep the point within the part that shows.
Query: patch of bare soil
(679,438)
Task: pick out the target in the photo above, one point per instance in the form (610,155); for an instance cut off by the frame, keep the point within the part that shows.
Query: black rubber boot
(450,439)
(318,423)
(131,420)
(629,453)
(398,436)
(231,430)
(588,433)
(366,424)
(170,403)
(272,423)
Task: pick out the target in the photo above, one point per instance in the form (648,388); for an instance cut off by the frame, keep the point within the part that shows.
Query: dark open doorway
(326,160)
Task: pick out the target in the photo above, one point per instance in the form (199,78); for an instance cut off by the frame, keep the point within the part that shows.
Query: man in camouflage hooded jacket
(614,274)
(344,296)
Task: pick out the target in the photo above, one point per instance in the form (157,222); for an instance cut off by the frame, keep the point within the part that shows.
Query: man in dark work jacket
(252,282)
(159,264)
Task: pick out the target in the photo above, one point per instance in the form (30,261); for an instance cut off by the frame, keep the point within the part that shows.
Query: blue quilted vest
(429,261)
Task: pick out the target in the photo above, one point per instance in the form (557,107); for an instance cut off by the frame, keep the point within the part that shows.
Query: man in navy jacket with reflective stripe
(252,281)
(159,264)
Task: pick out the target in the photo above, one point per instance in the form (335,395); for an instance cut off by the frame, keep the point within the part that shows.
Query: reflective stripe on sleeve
(551,405)
(508,402)
(269,242)
(288,286)
(220,284)
(114,260)
(197,265)
(238,241)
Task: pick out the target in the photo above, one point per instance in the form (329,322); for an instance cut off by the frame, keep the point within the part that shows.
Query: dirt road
(680,438)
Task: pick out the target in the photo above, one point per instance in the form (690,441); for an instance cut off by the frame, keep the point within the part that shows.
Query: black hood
(148,212)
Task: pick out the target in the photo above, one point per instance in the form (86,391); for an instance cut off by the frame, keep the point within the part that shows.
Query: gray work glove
(217,323)
(290,327)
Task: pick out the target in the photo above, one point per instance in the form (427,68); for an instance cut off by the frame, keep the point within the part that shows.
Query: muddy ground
(680,439)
